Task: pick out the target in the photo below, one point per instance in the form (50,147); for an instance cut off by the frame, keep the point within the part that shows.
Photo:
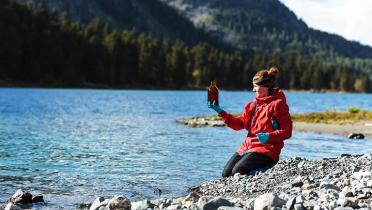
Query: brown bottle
(213,93)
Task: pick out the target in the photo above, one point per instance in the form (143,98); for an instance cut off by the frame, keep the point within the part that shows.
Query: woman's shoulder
(279,102)
(250,105)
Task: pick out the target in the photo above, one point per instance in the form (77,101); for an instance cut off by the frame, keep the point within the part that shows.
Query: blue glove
(275,124)
(263,137)
(215,107)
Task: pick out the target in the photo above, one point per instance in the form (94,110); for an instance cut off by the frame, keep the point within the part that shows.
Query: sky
(351,19)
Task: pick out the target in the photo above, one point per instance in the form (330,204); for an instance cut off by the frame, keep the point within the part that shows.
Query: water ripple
(74,145)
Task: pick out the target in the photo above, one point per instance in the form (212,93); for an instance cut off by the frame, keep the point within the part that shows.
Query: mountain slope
(146,16)
(38,48)
(267,25)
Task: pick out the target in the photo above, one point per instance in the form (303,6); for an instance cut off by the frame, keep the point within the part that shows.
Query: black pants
(245,164)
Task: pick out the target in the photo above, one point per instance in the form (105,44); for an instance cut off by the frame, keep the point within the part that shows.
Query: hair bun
(273,71)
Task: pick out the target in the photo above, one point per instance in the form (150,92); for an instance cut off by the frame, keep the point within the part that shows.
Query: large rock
(208,203)
(328,186)
(38,199)
(290,203)
(356,136)
(267,201)
(190,199)
(97,203)
(173,207)
(21,197)
(119,202)
(142,205)
(362,174)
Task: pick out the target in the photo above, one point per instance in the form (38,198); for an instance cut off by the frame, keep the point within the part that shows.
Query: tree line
(39,48)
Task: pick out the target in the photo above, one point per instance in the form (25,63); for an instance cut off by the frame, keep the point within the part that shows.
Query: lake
(73,145)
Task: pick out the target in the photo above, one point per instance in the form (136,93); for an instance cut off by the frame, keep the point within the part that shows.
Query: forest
(39,48)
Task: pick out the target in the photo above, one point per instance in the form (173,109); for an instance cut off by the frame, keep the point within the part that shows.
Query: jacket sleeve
(236,123)
(285,123)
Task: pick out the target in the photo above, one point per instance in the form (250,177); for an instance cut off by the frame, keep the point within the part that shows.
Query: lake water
(74,145)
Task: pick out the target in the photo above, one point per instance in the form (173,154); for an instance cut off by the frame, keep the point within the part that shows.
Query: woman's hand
(263,137)
(214,107)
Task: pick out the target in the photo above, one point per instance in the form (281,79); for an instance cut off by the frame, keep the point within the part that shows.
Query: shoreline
(93,86)
(364,127)
(344,129)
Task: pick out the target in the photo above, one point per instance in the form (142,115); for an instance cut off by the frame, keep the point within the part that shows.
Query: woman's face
(261,91)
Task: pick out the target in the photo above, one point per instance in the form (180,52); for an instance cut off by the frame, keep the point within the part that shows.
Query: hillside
(40,49)
(267,25)
(146,16)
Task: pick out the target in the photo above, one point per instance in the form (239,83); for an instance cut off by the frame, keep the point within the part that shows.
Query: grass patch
(353,115)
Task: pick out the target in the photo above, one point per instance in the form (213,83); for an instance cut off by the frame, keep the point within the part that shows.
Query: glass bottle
(213,93)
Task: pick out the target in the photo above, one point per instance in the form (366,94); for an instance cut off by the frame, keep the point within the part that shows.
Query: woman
(268,122)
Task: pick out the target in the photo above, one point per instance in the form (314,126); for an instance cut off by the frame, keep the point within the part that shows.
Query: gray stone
(142,205)
(177,200)
(363,196)
(299,206)
(290,203)
(369,183)
(11,206)
(268,200)
(356,136)
(347,201)
(332,205)
(21,197)
(190,199)
(79,206)
(316,207)
(229,208)
(299,199)
(346,193)
(97,203)
(309,186)
(250,203)
(362,174)
(38,199)
(2,206)
(155,202)
(214,203)
(328,186)
(173,207)
(119,202)
(297,182)
(105,202)
(343,208)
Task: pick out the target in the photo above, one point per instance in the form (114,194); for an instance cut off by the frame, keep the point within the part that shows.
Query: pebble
(342,183)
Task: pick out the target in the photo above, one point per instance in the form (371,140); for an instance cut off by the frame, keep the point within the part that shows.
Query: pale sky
(351,19)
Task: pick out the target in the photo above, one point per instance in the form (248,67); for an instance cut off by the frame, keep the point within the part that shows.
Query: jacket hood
(277,94)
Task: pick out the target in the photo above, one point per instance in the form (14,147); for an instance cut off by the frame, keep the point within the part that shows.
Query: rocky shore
(196,122)
(341,183)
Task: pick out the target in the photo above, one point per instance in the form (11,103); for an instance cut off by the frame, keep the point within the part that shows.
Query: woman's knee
(226,173)
(238,168)
(227,170)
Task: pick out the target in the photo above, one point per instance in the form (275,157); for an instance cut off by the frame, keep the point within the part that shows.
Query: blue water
(74,145)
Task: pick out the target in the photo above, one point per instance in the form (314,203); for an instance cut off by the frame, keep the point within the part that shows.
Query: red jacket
(257,117)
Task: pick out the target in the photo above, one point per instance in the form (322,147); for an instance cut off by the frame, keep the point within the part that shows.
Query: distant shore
(338,129)
(84,85)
